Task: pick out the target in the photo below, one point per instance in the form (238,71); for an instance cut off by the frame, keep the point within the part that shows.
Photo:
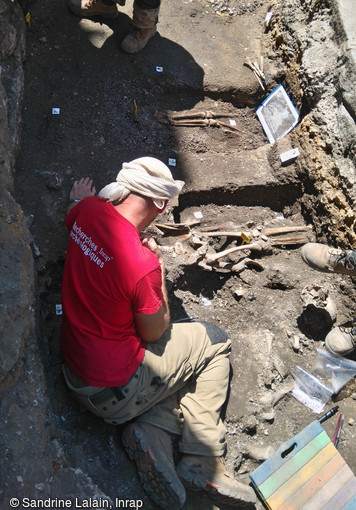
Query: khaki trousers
(180,387)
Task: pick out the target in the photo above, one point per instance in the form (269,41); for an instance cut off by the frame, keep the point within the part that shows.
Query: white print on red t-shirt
(88,246)
(103,254)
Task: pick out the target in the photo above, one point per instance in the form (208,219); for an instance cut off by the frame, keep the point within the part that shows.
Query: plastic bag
(329,374)
(309,390)
(277,114)
(333,371)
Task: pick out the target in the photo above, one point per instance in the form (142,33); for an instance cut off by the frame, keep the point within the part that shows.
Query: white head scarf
(145,176)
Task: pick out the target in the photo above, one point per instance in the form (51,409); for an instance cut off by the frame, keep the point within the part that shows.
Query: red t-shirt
(108,277)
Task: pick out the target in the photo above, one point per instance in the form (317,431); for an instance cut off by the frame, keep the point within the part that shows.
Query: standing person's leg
(341,340)
(145,18)
(329,260)
(88,8)
(144,25)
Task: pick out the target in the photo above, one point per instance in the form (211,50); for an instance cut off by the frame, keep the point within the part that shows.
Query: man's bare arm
(151,327)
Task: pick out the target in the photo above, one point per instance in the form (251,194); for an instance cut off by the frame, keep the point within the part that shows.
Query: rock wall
(16,263)
(33,463)
(308,45)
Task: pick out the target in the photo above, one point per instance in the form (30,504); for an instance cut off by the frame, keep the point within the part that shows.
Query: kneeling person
(124,360)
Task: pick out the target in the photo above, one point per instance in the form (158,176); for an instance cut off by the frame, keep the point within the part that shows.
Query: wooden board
(306,473)
(307,490)
(279,459)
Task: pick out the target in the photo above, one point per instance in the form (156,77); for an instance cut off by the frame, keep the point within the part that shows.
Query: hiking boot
(87,8)
(209,474)
(152,450)
(341,341)
(329,260)
(144,28)
(137,39)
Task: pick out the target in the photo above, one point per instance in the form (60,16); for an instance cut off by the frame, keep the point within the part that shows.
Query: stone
(268,416)
(259,453)
(9,43)
(276,279)
(295,343)
(249,424)
(239,294)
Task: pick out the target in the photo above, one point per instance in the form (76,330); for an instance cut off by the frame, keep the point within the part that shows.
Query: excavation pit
(235,182)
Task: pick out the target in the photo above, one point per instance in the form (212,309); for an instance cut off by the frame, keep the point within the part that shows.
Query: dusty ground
(96,131)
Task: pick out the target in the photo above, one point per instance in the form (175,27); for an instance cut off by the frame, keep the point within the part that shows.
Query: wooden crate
(306,473)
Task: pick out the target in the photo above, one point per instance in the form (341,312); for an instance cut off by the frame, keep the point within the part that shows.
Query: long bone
(195,119)
(210,258)
(198,115)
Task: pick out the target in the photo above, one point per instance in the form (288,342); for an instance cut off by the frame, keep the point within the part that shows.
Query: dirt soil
(260,307)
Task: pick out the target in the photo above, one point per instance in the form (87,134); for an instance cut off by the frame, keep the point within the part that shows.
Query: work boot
(143,29)
(329,260)
(152,450)
(209,474)
(87,8)
(341,340)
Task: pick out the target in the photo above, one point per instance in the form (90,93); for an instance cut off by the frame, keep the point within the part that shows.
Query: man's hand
(81,189)
(151,244)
